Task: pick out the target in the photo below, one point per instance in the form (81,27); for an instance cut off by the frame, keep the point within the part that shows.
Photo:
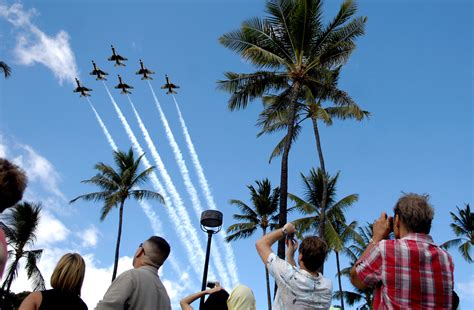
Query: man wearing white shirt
(298,288)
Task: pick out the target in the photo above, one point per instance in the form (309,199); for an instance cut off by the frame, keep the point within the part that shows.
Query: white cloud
(34,46)
(89,236)
(3,150)
(50,230)
(466,290)
(39,169)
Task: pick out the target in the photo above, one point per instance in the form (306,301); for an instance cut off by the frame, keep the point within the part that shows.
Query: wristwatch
(285,232)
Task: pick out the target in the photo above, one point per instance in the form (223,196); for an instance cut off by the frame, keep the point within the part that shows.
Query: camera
(211,284)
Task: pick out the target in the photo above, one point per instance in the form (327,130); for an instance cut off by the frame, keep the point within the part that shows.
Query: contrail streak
(150,214)
(207,194)
(193,258)
(192,234)
(104,128)
(223,274)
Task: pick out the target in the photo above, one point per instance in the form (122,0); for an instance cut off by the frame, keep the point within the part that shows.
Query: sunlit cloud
(34,46)
(89,237)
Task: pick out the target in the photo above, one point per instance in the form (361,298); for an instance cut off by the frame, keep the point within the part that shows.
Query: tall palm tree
(5,68)
(20,227)
(263,214)
(290,47)
(337,232)
(463,227)
(117,186)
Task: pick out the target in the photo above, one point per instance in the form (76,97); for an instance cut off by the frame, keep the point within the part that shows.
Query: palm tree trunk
(282,217)
(119,235)
(267,279)
(339,279)
(324,198)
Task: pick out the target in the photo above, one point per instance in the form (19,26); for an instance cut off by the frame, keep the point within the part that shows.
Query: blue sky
(412,70)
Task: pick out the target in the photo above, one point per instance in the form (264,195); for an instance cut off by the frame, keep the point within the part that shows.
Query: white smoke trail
(207,194)
(104,128)
(150,214)
(216,257)
(180,227)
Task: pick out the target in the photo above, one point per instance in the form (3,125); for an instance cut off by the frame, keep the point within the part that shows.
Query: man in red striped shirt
(410,272)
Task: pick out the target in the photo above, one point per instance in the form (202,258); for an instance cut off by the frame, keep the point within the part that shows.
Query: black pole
(206,265)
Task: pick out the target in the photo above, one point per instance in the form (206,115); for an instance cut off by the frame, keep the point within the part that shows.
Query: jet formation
(170,86)
(124,87)
(118,59)
(82,89)
(145,72)
(100,74)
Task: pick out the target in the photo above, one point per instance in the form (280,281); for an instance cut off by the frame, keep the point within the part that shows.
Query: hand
(381,227)
(214,289)
(290,228)
(291,247)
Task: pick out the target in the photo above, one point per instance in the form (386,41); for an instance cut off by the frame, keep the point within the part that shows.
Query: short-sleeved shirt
(57,300)
(136,289)
(297,288)
(408,273)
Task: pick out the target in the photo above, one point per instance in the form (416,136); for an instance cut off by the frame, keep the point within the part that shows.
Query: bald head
(157,250)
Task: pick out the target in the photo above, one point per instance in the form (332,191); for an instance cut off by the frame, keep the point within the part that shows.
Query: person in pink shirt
(12,185)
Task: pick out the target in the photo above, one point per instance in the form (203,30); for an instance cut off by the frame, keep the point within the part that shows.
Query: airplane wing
(121,58)
(140,71)
(118,86)
(128,86)
(103,73)
(174,86)
(93,72)
(164,87)
(150,72)
(87,89)
(111,58)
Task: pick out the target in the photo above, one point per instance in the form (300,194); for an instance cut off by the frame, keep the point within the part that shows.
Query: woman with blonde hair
(66,283)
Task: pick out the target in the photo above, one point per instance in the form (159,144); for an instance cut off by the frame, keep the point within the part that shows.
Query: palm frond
(247,87)
(5,68)
(96,196)
(243,207)
(32,270)
(141,194)
(240,231)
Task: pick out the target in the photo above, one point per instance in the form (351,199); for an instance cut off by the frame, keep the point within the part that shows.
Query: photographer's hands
(381,228)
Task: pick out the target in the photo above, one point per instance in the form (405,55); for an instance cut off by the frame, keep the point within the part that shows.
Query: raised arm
(264,245)
(186,302)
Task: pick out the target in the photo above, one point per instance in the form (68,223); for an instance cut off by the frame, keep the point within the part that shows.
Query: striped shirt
(408,273)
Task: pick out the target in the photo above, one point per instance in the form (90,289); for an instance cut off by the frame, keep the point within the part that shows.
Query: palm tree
(463,227)
(20,228)
(117,186)
(263,214)
(5,68)
(291,48)
(361,240)
(337,232)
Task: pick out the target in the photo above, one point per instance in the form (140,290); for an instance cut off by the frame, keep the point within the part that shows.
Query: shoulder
(32,301)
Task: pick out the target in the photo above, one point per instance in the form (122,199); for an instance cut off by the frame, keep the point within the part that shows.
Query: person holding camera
(298,288)
(410,272)
(217,298)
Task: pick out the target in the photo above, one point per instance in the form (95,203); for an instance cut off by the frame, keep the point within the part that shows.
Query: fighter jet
(145,72)
(117,58)
(124,87)
(100,74)
(169,86)
(82,89)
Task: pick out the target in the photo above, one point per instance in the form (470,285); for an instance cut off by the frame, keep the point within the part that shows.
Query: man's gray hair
(415,212)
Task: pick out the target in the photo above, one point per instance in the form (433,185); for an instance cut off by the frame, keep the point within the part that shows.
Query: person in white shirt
(301,288)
